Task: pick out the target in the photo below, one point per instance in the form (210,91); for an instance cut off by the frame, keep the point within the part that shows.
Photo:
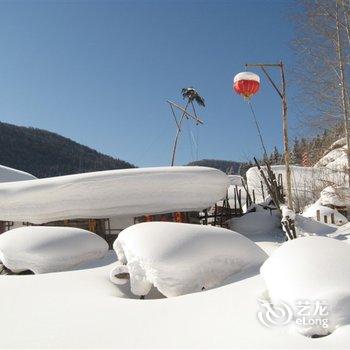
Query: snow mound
(103,194)
(43,249)
(11,175)
(255,223)
(182,258)
(311,270)
(311,212)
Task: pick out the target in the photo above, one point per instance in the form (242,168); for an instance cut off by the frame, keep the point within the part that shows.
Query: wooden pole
(178,134)
(343,90)
(285,139)
(283,96)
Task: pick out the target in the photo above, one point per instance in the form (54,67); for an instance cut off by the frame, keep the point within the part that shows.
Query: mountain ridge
(44,153)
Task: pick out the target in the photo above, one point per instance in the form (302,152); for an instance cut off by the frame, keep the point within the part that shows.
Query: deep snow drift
(183,258)
(103,194)
(311,270)
(43,249)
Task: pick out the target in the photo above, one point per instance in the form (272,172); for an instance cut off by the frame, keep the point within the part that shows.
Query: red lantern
(246,84)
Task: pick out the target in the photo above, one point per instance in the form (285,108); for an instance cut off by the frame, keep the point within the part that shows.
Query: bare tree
(322,71)
(317,68)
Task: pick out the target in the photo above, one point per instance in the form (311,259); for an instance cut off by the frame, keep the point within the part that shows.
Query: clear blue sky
(99,72)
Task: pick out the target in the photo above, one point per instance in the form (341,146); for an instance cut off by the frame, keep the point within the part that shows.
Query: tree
(275,157)
(318,64)
(322,46)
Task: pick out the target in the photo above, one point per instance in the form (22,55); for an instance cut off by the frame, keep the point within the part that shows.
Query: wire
(258,128)
(151,144)
(189,132)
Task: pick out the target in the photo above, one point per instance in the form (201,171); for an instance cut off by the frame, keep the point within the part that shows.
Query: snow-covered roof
(104,194)
(9,174)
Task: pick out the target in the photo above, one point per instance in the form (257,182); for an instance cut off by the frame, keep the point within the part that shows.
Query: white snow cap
(105,194)
(246,76)
(311,269)
(44,249)
(183,258)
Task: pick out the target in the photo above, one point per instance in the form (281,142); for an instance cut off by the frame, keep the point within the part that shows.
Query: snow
(82,309)
(182,258)
(261,226)
(235,180)
(43,249)
(335,195)
(311,212)
(246,76)
(112,193)
(306,182)
(335,157)
(255,223)
(287,213)
(9,174)
(311,269)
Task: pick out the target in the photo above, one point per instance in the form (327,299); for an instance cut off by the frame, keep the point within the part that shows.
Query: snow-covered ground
(81,308)
(84,309)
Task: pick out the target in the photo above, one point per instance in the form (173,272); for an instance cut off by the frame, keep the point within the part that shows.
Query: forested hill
(227,166)
(45,154)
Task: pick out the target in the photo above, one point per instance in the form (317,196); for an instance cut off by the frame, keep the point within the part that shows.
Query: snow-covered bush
(43,249)
(181,258)
(311,270)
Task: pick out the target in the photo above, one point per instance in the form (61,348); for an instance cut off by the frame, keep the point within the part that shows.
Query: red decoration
(246,84)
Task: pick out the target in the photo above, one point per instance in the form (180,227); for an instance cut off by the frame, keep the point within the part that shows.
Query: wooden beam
(198,120)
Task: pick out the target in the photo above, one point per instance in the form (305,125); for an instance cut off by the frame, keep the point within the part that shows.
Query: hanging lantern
(246,84)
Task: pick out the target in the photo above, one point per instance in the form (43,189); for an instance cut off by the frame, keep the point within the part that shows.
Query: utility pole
(282,94)
(185,114)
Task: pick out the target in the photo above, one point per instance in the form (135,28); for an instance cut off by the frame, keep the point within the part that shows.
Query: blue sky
(99,72)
